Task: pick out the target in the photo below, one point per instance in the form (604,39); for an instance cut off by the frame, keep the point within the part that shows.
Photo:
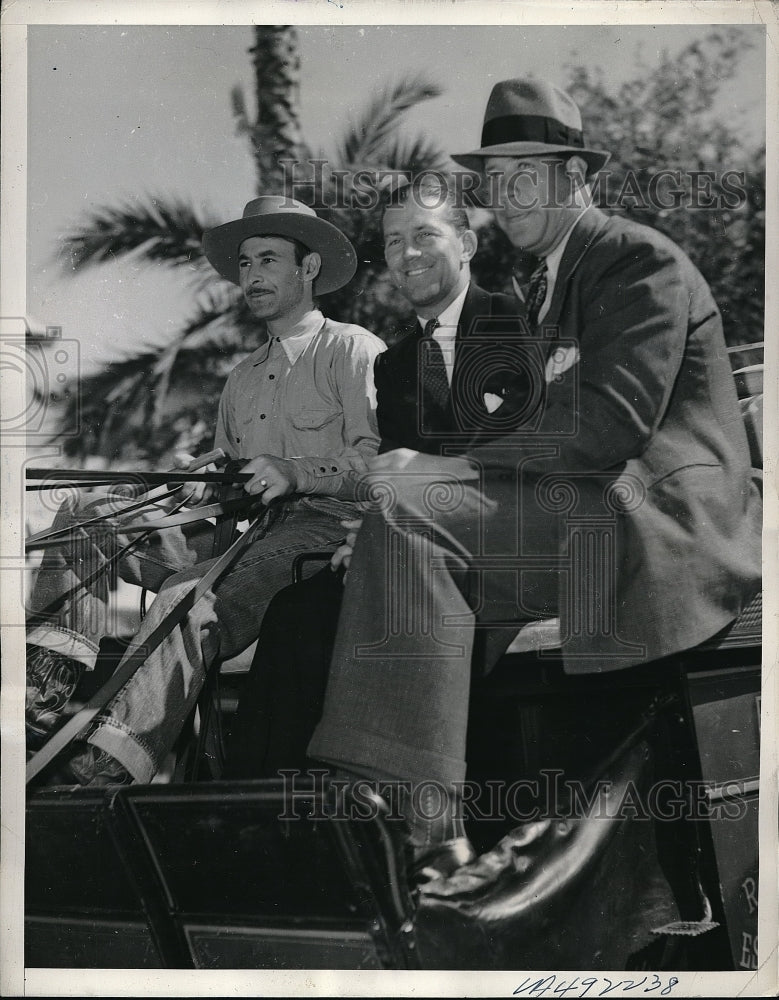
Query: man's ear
(576,168)
(470,242)
(311,266)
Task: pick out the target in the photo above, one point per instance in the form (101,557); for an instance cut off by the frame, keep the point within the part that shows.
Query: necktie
(536,293)
(434,381)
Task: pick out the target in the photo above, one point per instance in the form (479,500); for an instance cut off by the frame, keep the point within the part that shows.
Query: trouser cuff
(62,640)
(122,745)
(375,754)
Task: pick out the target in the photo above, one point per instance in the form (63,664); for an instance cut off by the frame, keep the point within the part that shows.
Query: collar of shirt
(294,341)
(446,331)
(450,316)
(553,259)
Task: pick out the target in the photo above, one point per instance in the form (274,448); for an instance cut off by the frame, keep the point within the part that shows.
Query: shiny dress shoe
(440,861)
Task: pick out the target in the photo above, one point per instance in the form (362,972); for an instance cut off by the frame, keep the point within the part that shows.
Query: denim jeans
(70,613)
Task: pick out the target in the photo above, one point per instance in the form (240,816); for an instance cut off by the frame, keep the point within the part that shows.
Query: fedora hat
(531,118)
(275,215)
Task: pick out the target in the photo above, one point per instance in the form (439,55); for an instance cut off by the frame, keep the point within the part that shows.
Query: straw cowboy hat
(531,118)
(275,215)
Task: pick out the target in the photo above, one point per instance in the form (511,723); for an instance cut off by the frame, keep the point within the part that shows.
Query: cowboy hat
(275,215)
(531,118)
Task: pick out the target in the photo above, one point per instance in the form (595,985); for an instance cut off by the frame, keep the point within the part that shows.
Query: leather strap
(145,478)
(44,539)
(56,532)
(133,661)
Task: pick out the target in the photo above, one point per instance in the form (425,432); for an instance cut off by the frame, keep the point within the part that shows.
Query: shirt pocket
(314,418)
(317,431)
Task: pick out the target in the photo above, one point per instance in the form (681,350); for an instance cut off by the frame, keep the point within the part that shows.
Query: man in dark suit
(436,393)
(626,504)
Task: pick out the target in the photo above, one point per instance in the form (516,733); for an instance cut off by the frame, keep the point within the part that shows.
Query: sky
(116,113)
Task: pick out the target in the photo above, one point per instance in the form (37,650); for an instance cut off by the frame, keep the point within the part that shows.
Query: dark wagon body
(263,874)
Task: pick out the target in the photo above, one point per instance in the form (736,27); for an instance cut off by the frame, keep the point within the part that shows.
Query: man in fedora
(300,410)
(639,453)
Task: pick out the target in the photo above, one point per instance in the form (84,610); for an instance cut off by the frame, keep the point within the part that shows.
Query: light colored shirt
(309,397)
(446,331)
(553,259)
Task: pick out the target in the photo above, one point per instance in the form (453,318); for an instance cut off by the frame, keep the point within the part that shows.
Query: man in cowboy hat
(300,410)
(639,442)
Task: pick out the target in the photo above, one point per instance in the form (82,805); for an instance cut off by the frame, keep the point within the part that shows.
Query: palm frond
(367,135)
(164,231)
(220,322)
(414,155)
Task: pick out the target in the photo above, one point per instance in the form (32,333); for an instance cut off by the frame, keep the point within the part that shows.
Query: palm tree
(159,400)
(275,134)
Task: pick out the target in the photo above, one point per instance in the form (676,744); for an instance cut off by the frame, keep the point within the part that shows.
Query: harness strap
(44,539)
(101,570)
(146,502)
(133,661)
(54,477)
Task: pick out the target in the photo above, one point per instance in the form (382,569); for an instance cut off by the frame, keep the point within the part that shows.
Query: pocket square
(492,401)
(560,360)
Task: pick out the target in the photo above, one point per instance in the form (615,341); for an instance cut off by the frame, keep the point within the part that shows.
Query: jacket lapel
(585,231)
(475,306)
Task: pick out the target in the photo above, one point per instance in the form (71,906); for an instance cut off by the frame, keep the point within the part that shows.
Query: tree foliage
(662,119)
(667,119)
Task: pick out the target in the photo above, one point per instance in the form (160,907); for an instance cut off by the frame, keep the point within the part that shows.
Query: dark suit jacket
(408,420)
(647,432)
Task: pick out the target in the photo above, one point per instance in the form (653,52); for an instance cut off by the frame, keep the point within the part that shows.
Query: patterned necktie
(536,293)
(434,381)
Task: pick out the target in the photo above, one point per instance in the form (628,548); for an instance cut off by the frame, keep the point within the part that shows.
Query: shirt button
(271,377)
(262,416)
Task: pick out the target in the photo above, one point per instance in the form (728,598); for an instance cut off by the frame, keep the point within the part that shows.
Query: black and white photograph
(388,579)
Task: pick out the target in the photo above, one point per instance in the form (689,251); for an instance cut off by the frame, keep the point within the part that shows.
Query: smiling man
(640,431)
(458,375)
(300,410)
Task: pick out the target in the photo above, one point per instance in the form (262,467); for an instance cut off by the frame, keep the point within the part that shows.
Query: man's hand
(198,494)
(343,554)
(408,462)
(272,477)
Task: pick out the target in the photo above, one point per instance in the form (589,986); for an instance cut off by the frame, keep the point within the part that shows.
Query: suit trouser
(70,614)
(440,562)
(282,698)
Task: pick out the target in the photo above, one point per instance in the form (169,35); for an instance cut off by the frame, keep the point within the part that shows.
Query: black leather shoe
(440,860)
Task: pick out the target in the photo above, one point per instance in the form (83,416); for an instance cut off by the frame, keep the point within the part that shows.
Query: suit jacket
(408,419)
(646,434)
